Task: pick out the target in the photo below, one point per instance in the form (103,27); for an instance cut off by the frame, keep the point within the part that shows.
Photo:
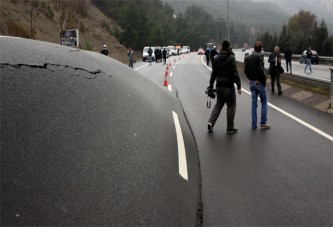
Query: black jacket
(225,71)
(288,54)
(254,67)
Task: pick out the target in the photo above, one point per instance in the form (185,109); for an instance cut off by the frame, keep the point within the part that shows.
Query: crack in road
(45,66)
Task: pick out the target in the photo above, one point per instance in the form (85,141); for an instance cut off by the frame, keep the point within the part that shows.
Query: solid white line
(289,115)
(171,74)
(169,87)
(182,164)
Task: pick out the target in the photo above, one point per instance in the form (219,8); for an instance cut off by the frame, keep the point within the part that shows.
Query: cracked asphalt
(85,140)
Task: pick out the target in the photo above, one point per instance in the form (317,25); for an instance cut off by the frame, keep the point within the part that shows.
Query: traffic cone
(169,63)
(167,67)
(166,73)
(165,82)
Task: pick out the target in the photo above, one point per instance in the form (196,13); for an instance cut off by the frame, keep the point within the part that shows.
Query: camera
(211,92)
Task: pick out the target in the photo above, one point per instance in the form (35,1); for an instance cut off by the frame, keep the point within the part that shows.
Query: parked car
(145,55)
(201,51)
(314,58)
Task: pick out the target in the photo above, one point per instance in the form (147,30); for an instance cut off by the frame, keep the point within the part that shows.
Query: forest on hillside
(154,22)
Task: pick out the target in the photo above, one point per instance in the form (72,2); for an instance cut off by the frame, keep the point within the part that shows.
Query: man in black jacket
(254,71)
(274,69)
(287,55)
(226,74)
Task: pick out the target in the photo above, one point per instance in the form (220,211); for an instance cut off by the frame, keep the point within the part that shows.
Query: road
(86,141)
(276,177)
(320,72)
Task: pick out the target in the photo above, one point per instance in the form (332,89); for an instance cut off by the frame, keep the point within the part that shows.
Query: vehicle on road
(185,49)
(314,58)
(201,51)
(145,55)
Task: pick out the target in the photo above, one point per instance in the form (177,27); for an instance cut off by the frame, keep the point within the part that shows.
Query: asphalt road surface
(276,177)
(319,71)
(87,141)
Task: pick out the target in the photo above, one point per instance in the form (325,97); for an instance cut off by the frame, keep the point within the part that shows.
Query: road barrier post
(331,106)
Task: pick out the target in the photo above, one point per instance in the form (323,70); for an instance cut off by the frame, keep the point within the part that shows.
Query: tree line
(153,23)
(301,31)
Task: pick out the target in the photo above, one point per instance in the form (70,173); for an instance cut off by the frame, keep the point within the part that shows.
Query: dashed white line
(182,164)
(171,74)
(170,87)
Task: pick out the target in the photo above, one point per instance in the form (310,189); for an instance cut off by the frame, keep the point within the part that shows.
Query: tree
(69,13)
(320,35)
(301,27)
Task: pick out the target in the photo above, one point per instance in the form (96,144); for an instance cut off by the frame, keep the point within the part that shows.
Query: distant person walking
(213,53)
(150,53)
(130,54)
(207,53)
(274,69)
(254,71)
(308,59)
(225,74)
(287,55)
(164,55)
(105,50)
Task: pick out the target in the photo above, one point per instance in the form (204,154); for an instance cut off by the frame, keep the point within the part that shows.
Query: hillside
(95,29)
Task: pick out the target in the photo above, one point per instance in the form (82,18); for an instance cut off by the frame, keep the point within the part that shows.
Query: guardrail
(296,57)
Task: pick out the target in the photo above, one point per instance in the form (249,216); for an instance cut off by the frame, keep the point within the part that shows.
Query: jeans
(224,95)
(308,63)
(258,89)
(288,63)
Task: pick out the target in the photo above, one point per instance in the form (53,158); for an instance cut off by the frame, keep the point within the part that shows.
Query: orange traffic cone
(169,63)
(166,73)
(165,82)
(167,67)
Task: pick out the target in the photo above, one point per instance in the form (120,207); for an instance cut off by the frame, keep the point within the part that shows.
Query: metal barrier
(296,57)
(331,106)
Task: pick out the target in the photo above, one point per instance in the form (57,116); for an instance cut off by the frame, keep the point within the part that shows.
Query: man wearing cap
(105,50)
(254,71)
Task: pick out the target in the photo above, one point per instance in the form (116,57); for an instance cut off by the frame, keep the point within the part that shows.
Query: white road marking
(141,67)
(174,67)
(182,164)
(288,114)
(171,74)
(169,87)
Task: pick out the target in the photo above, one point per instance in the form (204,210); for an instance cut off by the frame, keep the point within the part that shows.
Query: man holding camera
(226,74)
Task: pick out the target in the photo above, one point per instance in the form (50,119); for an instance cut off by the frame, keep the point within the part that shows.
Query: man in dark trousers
(225,74)
(207,53)
(164,55)
(213,53)
(150,53)
(254,71)
(274,69)
(287,55)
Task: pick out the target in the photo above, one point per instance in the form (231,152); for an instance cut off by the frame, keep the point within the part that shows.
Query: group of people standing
(225,73)
(130,55)
(210,54)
